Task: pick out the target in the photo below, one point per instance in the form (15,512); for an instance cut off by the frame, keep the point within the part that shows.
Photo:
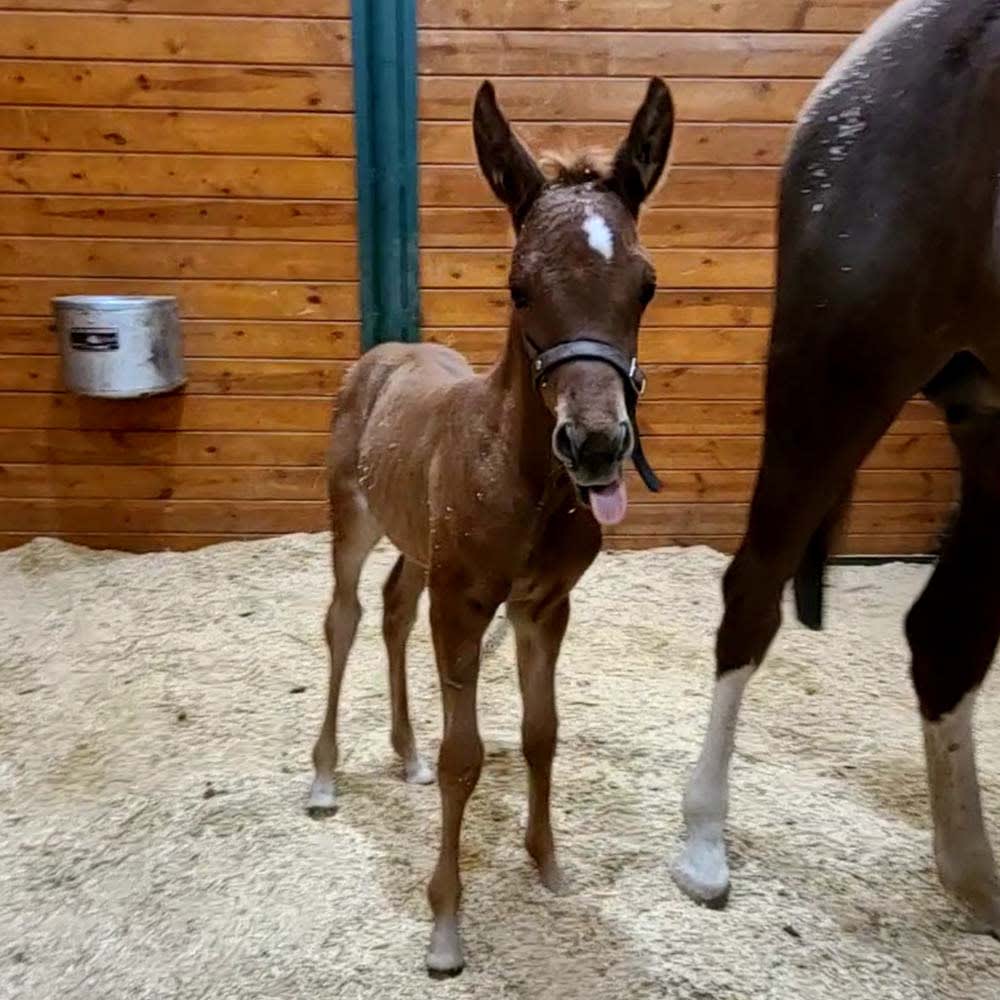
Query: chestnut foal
(492,486)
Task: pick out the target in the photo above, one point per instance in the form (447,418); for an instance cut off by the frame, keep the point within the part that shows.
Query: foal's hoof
(419,772)
(702,874)
(444,956)
(551,877)
(322,799)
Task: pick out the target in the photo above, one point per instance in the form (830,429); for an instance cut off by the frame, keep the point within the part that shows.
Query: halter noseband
(544,362)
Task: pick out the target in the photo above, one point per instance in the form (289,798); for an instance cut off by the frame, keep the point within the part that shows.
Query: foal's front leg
(458,623)
(539,629)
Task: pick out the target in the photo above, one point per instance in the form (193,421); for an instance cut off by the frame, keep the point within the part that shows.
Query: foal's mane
(572,169)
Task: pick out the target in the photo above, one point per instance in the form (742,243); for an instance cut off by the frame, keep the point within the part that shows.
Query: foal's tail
(808,580)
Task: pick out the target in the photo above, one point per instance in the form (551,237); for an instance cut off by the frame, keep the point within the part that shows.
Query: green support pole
(384,41)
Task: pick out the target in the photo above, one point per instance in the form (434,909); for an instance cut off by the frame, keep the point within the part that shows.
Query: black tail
(808,581)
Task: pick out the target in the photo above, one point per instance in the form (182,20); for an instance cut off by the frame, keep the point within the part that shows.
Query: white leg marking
(964,857)
(702,870)
(322,797)
(419,772)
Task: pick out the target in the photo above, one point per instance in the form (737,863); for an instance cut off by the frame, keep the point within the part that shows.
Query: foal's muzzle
(593,457)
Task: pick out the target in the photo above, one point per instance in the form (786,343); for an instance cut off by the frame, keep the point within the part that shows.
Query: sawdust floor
(158,715)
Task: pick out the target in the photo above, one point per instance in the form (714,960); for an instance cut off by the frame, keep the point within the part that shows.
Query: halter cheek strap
(544,362)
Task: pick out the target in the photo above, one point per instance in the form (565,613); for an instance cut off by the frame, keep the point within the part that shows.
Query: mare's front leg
(459,618)
(539,627)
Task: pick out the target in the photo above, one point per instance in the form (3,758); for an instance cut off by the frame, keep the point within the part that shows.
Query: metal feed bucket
(119,346)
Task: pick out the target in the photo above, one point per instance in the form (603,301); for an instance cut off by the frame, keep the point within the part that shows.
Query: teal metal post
(384,41)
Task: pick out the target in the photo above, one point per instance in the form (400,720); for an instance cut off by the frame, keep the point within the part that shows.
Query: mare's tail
(808,581)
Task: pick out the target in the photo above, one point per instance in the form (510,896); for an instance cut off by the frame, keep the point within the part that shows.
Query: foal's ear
(641,158)
(507,165)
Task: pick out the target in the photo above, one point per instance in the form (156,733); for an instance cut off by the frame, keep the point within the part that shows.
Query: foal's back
(396,404)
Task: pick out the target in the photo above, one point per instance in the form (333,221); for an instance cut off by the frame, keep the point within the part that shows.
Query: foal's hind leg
(401,595)
(355,532)
(953,630)
(817,435)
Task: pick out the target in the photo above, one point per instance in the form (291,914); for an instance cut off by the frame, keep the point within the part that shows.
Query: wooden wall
(571,73)
(188,147)
(183,147)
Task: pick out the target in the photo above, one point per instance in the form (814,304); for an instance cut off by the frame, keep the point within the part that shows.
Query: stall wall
(190,148)
(570,74)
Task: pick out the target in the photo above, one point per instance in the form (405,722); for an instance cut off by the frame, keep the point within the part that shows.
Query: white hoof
(702,873)
(419,772)
(322,798)
(444,956)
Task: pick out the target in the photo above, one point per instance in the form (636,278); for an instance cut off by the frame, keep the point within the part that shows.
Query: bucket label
(93,338)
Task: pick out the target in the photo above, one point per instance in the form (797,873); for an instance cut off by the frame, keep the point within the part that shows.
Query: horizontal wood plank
(94,515)
(233,412)
(679,15)
(615,99)
(282,377)
(176,218)
(701,228)
(288,178)
(48,516)
(262,8)
(451,51)
(916,544)
(156,131)
(888,546)
(200,299)
(664,345)
(212,338)
(700,145)
(470,268)
(729,187)
(178,482)
(466,307)
(731,518)
(688,453)
(296,261)
(176,85)
(201,38)
(200,482)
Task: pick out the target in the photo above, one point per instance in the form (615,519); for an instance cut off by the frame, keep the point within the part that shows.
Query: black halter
(543,362)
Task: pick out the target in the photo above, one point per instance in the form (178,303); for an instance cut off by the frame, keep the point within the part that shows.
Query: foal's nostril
(625,439)
(565,445)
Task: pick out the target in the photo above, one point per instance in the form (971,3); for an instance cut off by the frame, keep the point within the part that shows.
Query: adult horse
(483,482)
(888,283)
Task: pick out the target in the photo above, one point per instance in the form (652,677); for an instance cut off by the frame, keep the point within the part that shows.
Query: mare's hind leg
(401,595)
(355,532)
(818,431)
(953,630)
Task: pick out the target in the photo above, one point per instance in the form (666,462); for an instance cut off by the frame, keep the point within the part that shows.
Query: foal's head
(579,282)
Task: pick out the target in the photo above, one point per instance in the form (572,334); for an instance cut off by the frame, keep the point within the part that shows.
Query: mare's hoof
(419,772)
(322,799)
(702,874)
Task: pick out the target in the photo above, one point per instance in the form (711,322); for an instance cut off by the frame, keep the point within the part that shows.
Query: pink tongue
(609,503)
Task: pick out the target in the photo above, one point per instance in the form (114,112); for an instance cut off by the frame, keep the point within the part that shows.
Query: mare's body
(888,284)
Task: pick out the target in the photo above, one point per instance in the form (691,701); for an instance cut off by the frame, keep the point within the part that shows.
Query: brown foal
(492,486)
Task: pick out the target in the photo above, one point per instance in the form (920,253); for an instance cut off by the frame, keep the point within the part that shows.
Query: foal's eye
(647,292)
(518,296)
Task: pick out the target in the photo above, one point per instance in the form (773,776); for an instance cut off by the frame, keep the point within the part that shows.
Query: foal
(888,283)
(492,486)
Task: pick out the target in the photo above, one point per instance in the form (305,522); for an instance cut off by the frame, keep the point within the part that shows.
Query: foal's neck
(523,418)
